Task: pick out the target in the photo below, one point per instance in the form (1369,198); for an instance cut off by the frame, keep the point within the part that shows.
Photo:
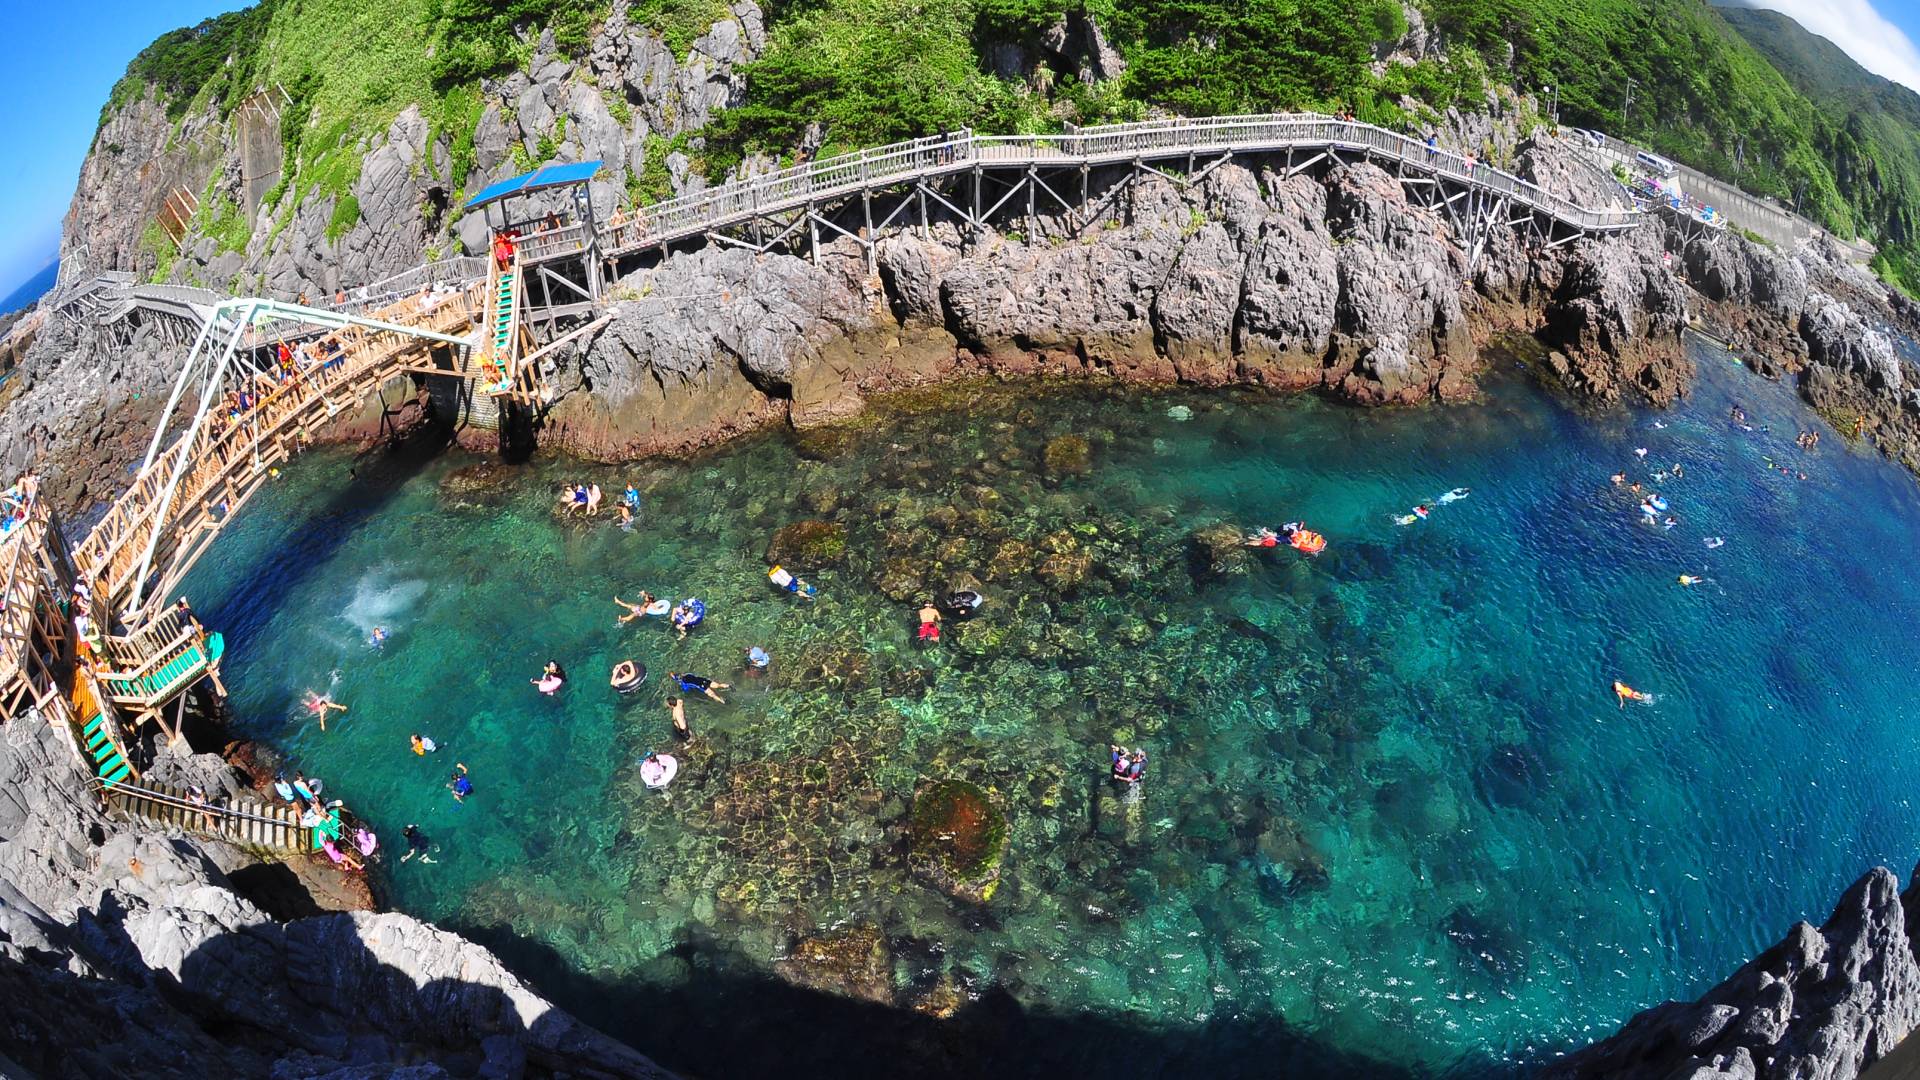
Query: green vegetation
(346,214)
(1778,111)
(155,242)
(181,65)
(221,218)
(652,182)
(1867,131)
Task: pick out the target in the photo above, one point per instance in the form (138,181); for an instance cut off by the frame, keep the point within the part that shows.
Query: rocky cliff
(1332,282)
(1825,1002)
(152,952)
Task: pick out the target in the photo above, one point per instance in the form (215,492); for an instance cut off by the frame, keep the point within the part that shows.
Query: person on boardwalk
(503,251)
(699,684)
(459,784)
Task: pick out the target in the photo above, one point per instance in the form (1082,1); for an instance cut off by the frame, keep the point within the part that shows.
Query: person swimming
(688,614)
(699,684)
(1689,579)
(417,844)
(1262,538)
(379,637)
(1714,542)
(1454,496)
(929,624)
(648,605)
(1419,514)
(627,676)
(320,705)
(1639,451)
(551,678)
(1303,539)
(422,745)
(1627,693)
(460,785)
(757,660)
(783,579)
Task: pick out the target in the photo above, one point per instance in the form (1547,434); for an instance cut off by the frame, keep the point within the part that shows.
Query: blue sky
(66,54)
(62,58)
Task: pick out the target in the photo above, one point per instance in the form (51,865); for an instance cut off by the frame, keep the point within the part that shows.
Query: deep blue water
(1396,820)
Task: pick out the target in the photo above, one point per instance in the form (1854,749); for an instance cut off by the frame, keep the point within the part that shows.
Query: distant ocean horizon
(32,290)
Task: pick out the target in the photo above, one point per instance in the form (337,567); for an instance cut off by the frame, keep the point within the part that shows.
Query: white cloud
(1873,41)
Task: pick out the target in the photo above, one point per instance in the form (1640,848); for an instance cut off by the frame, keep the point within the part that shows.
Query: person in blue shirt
(460,785)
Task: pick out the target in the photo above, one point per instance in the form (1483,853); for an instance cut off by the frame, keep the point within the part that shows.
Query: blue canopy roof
(544,177)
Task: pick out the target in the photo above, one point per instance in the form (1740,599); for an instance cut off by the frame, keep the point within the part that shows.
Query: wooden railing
(845,174)
(225,460)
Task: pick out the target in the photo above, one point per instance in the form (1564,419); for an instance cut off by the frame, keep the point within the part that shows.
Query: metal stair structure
(246,820)
(98,739)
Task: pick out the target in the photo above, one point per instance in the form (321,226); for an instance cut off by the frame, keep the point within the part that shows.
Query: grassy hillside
(847,73)
(1869,129)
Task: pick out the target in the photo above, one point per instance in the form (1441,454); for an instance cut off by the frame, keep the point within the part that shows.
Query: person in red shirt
(502,250)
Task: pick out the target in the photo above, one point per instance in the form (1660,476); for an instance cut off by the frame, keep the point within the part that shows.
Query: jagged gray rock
(1822,1003)
(127,949)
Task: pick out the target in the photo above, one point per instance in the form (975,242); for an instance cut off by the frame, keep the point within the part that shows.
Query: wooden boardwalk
(178,503)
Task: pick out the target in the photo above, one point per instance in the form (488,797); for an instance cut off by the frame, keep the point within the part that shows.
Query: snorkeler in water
(1454,496)
(1714,542)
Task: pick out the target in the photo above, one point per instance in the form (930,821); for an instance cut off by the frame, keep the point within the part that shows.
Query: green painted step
(117,775)
(93,725)
(104,751)
(99,736)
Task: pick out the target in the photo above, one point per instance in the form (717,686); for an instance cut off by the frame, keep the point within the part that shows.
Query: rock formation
(1825,1002)
(150,955)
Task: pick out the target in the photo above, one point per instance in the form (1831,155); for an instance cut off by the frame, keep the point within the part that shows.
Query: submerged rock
(808,544)
(852,963)
(1067,455)
(958,838)
(1217,551)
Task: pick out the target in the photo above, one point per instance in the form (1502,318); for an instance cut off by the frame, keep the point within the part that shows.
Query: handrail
(156,659)
(150,795)
(831,177)
(220,451)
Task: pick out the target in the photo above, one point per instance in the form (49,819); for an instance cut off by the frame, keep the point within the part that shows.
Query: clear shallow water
(1395,820)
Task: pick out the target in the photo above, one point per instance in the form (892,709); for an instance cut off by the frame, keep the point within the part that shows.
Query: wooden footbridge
(976,180)
(89,638)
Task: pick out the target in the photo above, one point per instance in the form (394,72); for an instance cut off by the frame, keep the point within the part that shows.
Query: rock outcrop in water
(1335,283)
(1813,317)
(1825,1002)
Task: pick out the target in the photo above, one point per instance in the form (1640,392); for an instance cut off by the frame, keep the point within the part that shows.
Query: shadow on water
(727,1016)
(249,1002)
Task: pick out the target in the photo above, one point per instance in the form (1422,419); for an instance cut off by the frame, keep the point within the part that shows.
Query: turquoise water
(1395,820)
